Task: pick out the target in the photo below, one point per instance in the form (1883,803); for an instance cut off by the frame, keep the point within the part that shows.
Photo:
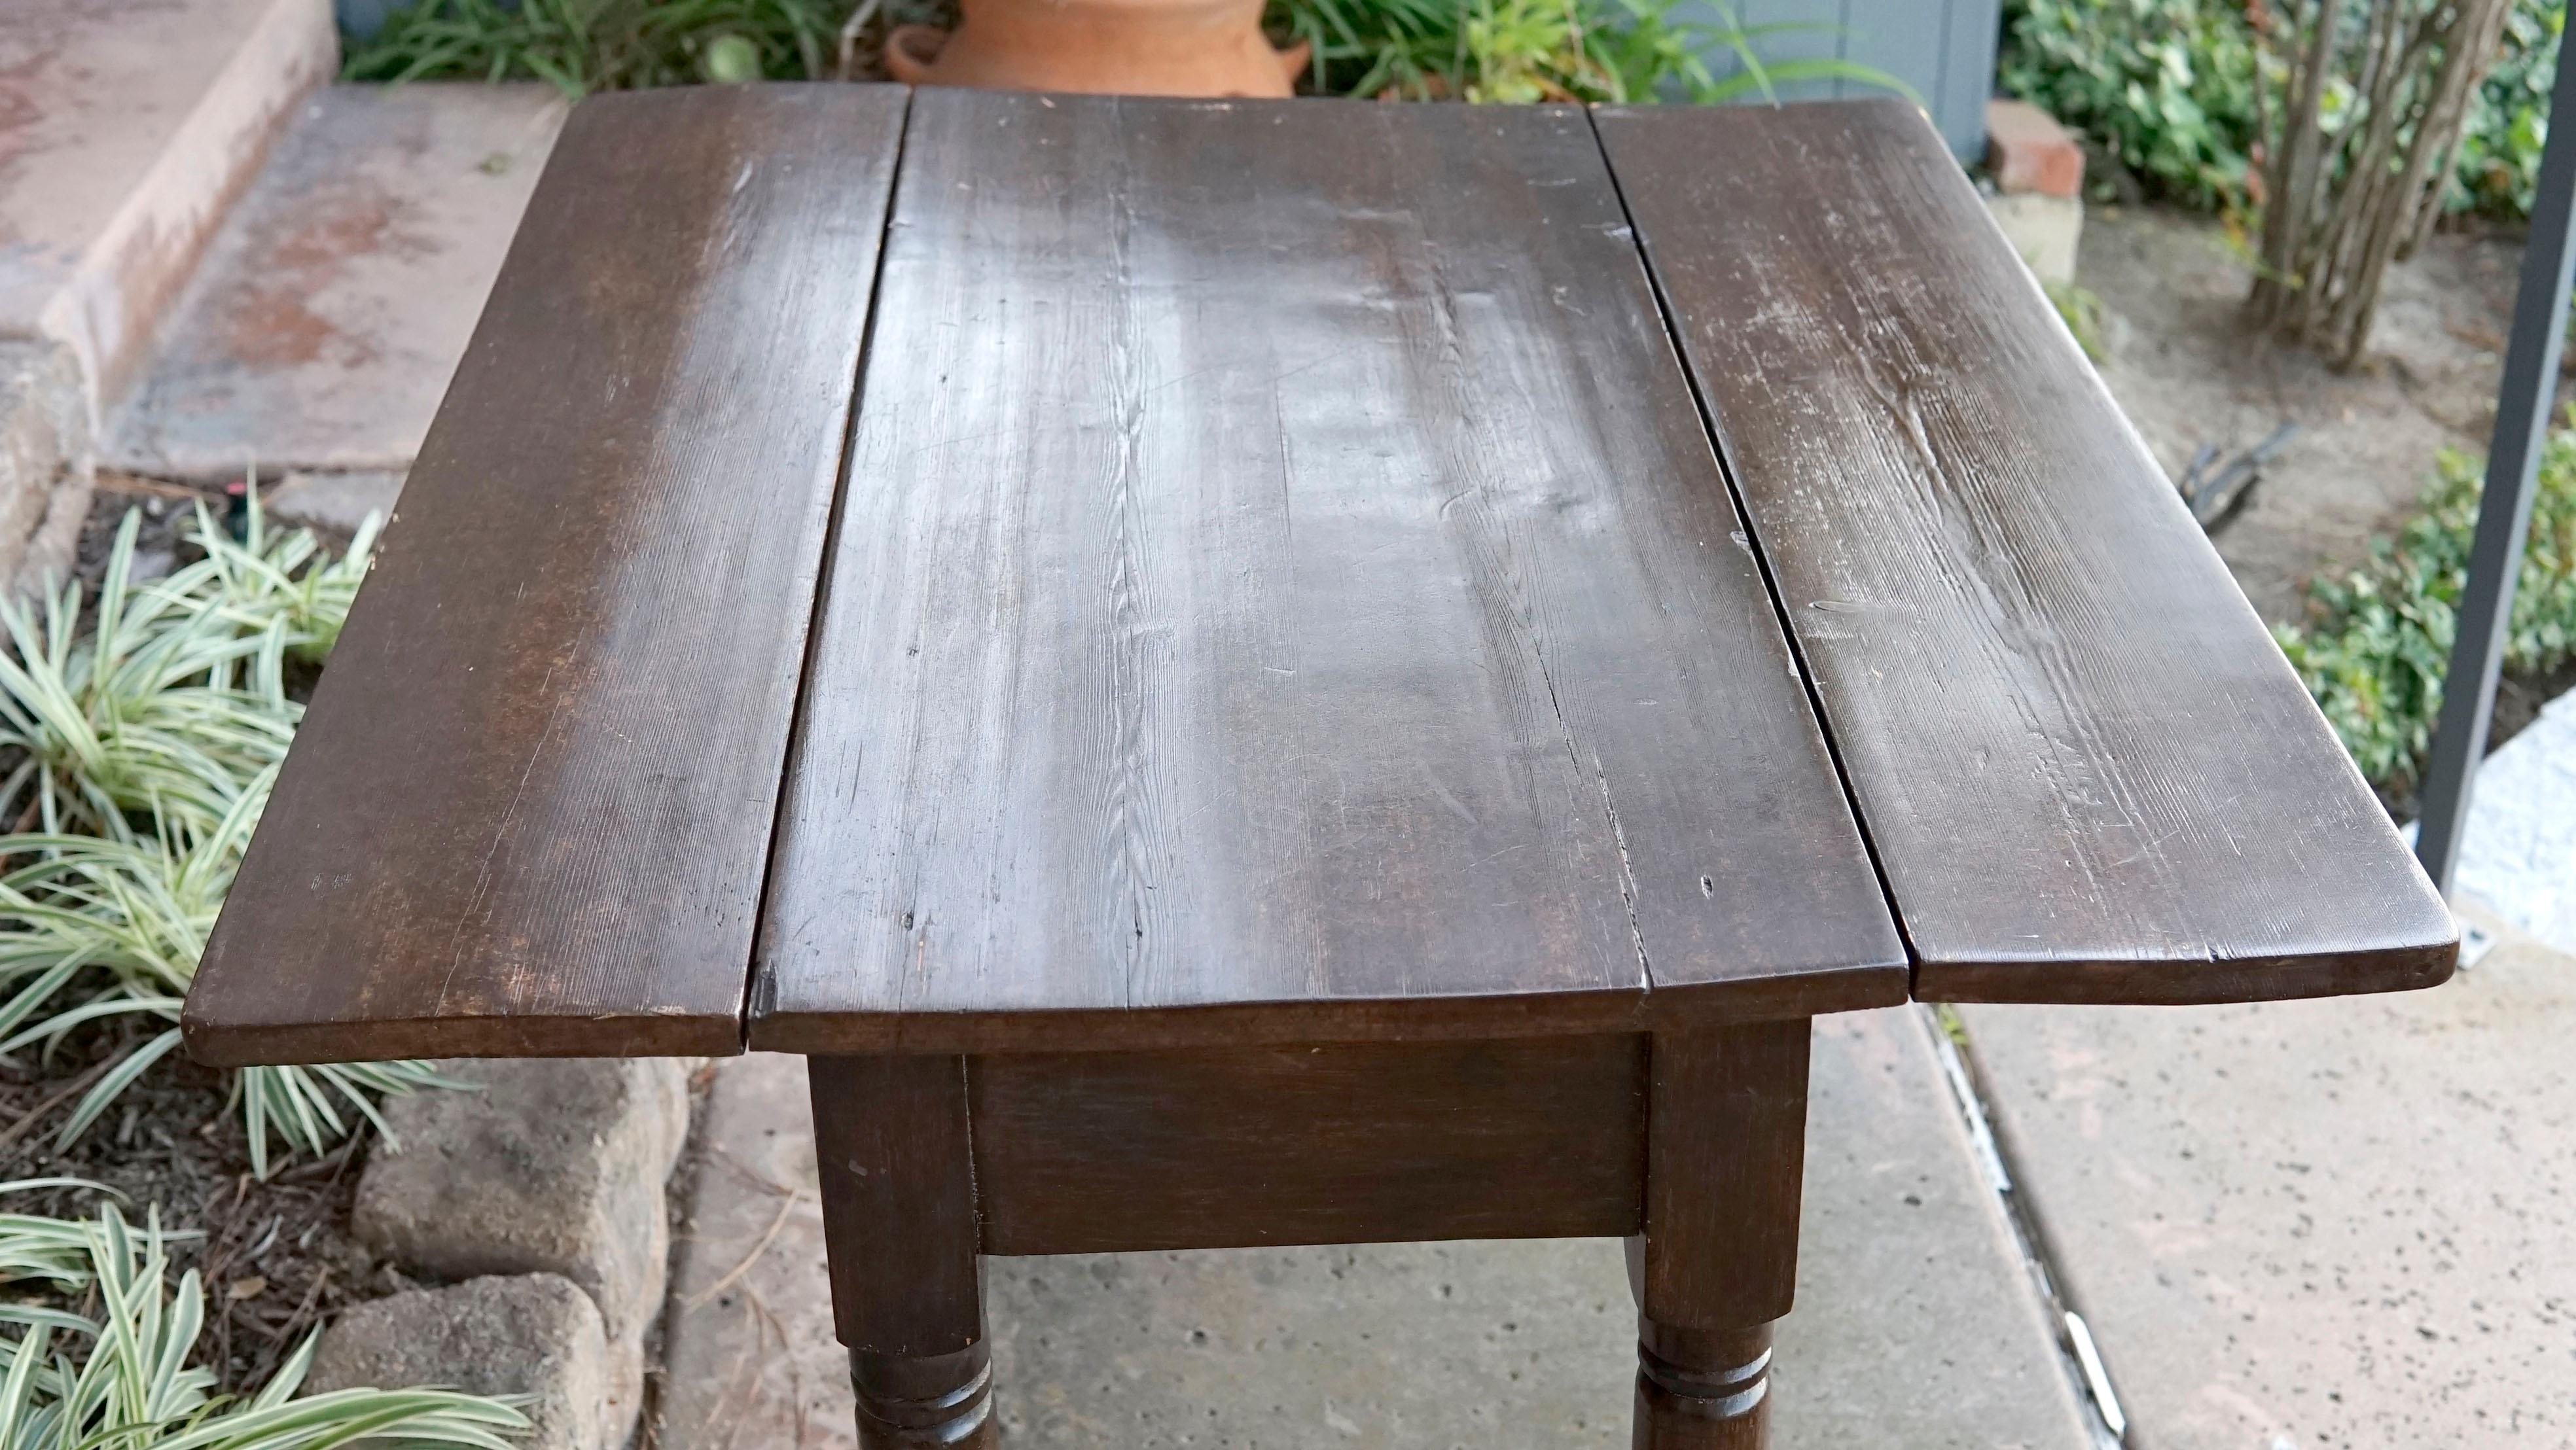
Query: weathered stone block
(528,1334)
(45,462)
(2029,152)
(2044,230)
(552,1167)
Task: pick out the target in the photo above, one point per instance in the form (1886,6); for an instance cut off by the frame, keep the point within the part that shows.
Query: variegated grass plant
(151,739)
(283,583)
(158,702)
(123,1381)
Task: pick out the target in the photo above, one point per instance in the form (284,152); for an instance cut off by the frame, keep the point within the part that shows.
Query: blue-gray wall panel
(1968,77)
(1944,49)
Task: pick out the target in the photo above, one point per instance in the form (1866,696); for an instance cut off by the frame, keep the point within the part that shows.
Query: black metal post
(2504,514)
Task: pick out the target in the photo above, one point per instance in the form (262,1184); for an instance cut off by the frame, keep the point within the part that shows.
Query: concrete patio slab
(126,128)
(1916,1324)
(2305,1225)
(2518,855)
(331,309)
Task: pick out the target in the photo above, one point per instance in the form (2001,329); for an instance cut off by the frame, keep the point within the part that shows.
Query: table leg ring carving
(1703,1390)
(909,1402)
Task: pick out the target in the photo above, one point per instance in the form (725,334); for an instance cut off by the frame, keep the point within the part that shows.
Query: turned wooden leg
(1726,1137)
(1703,1390)
(921,1400)
(899,1225)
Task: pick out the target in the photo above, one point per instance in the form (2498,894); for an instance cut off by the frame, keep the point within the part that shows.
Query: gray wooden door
(1944,49)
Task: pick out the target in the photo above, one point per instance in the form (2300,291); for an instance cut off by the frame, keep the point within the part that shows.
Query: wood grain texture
(1726,1142)
(943,1402)
(893,1155)
(1319,1144)
(1285,593)
(893,1159)
(2087,772)
(1726,1139)
(530,807)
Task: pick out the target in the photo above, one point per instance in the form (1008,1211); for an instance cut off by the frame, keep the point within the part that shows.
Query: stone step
(132,126)
(321,330)
(127,127)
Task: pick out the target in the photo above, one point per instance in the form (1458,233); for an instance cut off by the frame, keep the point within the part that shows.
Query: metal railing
(2523,406)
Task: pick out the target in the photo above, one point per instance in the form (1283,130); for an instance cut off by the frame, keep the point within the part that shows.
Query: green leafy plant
(280,582)
(2167,88)
(37,1249)
(131,916)
(1611,51)
(594,45)
(2499,160)
(174,694)
(123,1381)
(2378,638)
(148,709)
(151,741)
(1483,50)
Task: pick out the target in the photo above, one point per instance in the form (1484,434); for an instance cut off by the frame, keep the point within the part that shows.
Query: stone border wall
(47,463)
(543,1193)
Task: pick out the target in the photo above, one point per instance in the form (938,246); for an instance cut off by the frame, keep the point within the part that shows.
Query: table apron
(1309,1144)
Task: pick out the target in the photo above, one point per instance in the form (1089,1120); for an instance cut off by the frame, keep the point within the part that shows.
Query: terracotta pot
(1113,47)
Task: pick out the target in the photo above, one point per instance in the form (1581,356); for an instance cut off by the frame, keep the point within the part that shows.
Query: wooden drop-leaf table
(1283,673)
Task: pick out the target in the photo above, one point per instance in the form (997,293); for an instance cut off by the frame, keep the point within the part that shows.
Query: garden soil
(276,1257)
(2188,373)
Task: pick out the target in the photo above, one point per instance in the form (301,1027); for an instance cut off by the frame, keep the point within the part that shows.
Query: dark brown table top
(955,571)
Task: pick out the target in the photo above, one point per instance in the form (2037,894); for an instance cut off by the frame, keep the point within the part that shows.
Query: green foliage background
(2378,638)
(594,45)
(2166,88)
(102,1357)
(146,722)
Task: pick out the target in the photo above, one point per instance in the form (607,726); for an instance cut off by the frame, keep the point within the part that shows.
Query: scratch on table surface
(500,833)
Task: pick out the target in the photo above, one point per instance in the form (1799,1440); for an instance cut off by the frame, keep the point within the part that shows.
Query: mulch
(276,1258)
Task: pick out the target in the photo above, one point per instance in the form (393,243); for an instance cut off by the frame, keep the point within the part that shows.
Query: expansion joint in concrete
(2078,1354)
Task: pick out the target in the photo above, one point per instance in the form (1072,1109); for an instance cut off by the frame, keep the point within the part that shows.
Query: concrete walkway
(2518,855)
(2305,1225)
(1916,1323)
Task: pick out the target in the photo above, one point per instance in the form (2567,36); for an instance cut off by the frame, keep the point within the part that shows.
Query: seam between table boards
(1753,535)
(753,968)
